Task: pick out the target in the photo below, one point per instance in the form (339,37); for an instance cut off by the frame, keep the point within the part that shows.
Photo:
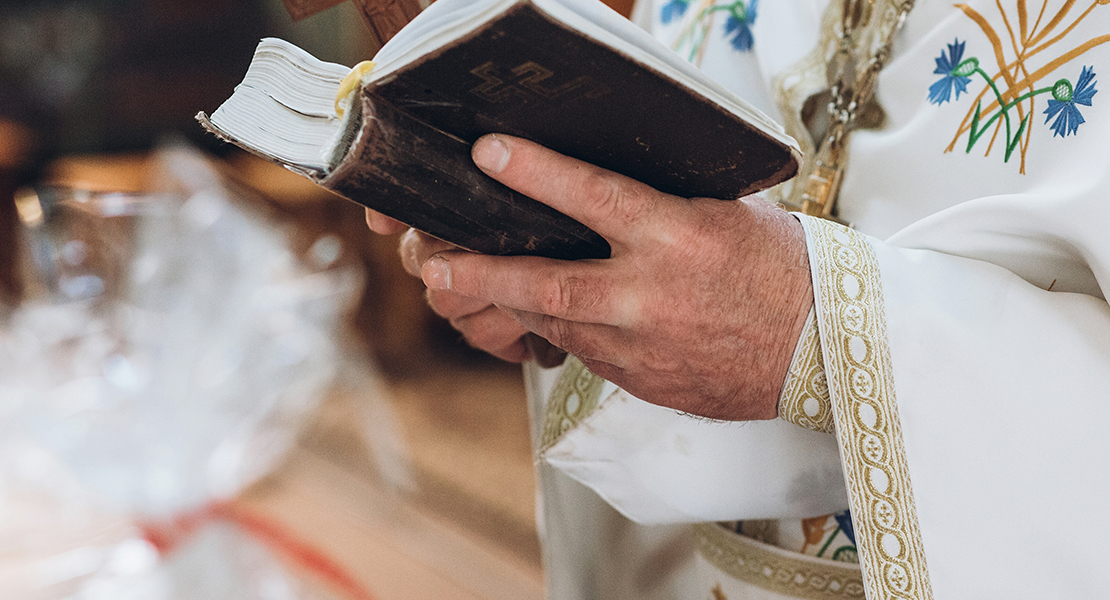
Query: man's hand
(698,308)
(379,223)
(484,326)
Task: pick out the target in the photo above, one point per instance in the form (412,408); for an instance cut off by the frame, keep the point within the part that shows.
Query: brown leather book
(569,74)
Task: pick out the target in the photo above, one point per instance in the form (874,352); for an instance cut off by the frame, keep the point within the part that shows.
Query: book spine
(425,178)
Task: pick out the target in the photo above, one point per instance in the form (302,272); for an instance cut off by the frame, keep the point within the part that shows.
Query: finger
(616,207)
(576,291)
(517,352)
(587,341)
(606,371)
(417,247)
(450,305)
(379,223)
(491,330)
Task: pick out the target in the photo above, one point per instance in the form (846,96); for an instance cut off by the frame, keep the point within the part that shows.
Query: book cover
(527,74)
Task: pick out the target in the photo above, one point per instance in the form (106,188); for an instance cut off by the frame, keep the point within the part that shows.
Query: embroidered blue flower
(1063,107)
(844,519)
(673,9)
(955,73)
(738,26)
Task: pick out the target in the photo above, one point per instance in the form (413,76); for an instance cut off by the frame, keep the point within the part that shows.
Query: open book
(569,74)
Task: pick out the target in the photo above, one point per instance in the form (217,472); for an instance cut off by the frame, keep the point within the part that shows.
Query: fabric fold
(655,465)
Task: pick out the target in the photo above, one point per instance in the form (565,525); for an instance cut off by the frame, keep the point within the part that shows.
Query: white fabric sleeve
(997,394)
(655,465)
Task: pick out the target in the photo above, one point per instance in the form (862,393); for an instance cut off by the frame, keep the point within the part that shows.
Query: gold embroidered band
(775,569)
(850,312)
(576,395)
(805,393)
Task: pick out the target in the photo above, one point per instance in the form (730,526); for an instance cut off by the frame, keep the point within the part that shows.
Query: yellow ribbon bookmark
(350,83)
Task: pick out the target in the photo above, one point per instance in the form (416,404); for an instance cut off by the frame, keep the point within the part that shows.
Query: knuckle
(599,190)
(609,195)
(662,359)
(575,339)
(563,296)
(552,299)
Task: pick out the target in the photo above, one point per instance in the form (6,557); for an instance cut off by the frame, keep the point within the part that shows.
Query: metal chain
(850,88)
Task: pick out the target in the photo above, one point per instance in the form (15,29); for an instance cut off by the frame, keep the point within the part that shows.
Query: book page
(284,108)
(440,23)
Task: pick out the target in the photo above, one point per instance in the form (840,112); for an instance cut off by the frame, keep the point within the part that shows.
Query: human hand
(483,325)
(379,223)
(698,308)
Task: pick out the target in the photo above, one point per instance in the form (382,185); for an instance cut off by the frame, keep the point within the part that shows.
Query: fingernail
(407,250)
(437,274)
(490,154)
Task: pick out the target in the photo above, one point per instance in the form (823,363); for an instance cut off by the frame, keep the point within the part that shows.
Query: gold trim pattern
(775,569)
(849,301)
(576,394)
(805,393)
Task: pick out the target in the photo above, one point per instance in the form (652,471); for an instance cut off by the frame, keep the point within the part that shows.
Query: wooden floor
(444,510)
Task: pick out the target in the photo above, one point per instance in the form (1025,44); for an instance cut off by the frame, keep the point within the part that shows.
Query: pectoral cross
(820,189)
(853,64)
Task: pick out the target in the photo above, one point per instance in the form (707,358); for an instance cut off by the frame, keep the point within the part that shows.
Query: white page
(443,21)
(289,118)
(312,94)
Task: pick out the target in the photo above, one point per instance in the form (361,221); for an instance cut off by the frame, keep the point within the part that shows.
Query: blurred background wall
(114,75)
(89,87)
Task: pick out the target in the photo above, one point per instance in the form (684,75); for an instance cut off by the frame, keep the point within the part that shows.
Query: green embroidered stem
(821,552)
(701,30)
(737,9)
(696,27)
(695,32)
(1004,110)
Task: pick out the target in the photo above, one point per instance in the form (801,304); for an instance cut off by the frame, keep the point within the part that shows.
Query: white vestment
(962,324)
